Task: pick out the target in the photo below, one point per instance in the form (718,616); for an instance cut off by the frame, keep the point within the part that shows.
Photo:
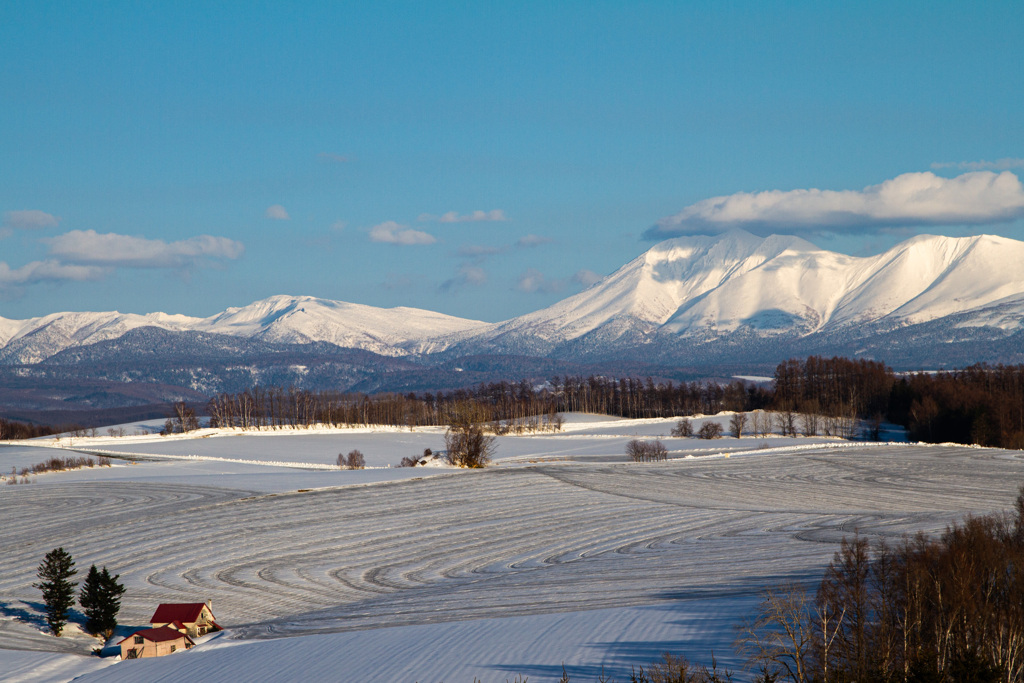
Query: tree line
(509,407)
(11,429)
(981,404)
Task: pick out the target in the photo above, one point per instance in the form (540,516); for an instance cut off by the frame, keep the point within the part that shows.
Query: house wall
(151,649)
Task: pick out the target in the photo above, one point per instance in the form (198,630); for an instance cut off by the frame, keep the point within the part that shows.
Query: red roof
(185,612)
(158,635)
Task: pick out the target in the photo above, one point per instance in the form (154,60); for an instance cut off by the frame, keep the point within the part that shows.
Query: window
(139,640)
(173,648)
(133,654)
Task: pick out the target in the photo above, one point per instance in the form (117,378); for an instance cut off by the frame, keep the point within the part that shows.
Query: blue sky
(479,159)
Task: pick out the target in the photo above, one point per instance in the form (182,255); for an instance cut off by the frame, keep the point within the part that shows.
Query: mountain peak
(708,286)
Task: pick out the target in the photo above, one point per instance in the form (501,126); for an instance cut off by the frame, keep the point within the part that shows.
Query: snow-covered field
(561,552)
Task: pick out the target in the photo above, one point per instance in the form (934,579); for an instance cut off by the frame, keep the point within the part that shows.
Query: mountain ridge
(679,295)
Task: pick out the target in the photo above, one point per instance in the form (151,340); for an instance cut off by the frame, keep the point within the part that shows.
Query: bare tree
(353,461)
(785,420)
(185,417)
(757,423)
(184,420)
(646,451)
(683,428)
(810,423)
(780,640)
(737,423)
(846,423)
(465,440)
(710,430)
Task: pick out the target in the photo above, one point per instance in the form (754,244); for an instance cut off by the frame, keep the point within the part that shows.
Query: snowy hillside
(562,552)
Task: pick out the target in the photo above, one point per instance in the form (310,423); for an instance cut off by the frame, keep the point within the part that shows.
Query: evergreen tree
(58,591)
(100,597)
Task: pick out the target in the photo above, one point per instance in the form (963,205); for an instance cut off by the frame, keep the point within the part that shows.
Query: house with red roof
(154,642)
(194,618)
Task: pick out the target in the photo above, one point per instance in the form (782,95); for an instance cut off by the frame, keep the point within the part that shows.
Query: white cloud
(88,247)
(586,277)
(338,226)
(49,270)
(30,220)
(467,275)
(277,213)
(532,280)
(909,199)
(473,275)
(479,252)
(532,241)
(396,233)
(474,217)
(997,165)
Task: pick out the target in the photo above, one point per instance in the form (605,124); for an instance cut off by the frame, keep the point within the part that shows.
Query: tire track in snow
(501,542)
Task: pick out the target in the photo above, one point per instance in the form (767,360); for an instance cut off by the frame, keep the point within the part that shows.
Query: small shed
(196,618)
(154,642)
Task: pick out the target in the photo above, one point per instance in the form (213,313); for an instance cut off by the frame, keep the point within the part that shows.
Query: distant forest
(981,404)
(11,429)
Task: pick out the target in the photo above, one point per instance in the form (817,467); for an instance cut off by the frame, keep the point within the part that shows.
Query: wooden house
(196,618)
(154,642)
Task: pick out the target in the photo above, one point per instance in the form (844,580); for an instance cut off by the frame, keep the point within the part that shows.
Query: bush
(710,430)
(683,428)
(55,464)
(412,462)
(646,451)
(465,440)
(353,461)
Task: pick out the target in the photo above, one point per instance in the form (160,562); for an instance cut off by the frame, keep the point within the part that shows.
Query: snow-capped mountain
(679,296)
(737,285)
(30,341)
(304,319)
(281,319)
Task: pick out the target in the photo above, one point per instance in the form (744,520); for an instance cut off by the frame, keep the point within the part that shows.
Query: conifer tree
(100,597)
(58,591)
